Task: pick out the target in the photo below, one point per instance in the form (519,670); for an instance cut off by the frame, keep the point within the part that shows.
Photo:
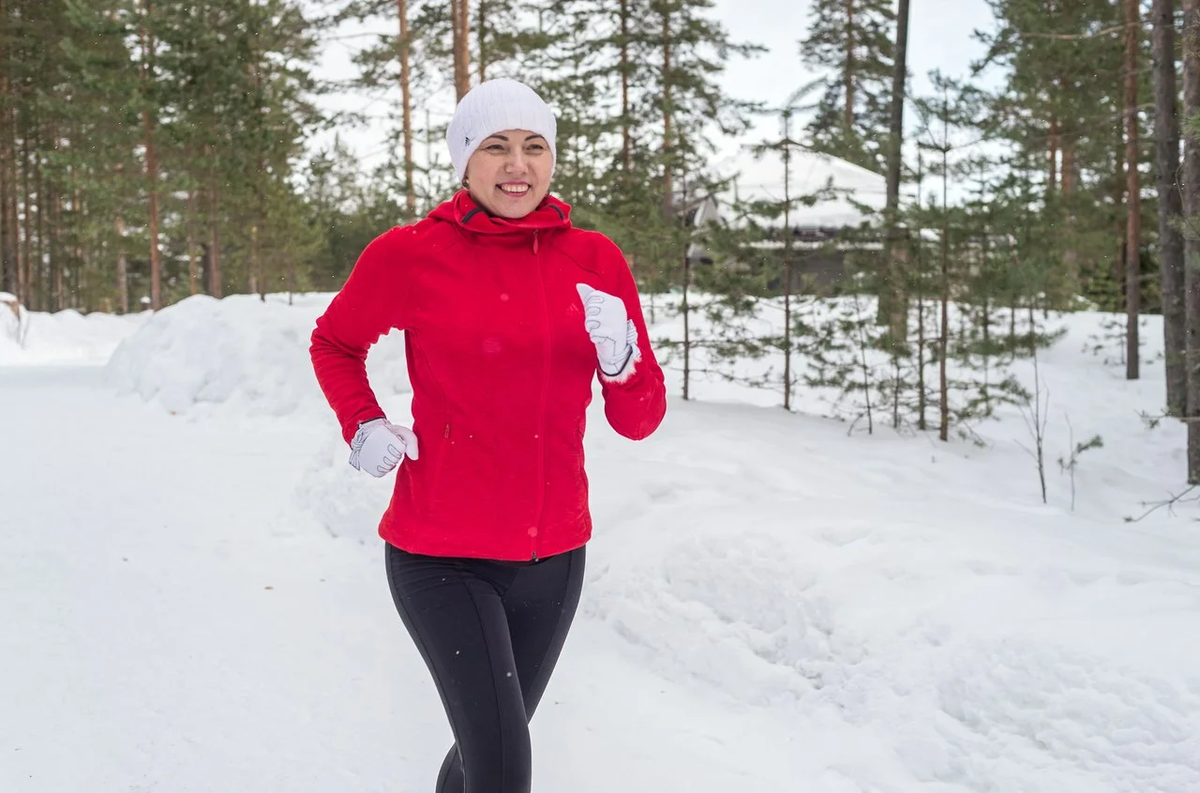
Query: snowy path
(168,629)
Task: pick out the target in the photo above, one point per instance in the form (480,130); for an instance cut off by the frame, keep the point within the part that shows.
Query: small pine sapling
(1071,462)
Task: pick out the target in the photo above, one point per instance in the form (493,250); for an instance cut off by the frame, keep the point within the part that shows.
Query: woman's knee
(504,767)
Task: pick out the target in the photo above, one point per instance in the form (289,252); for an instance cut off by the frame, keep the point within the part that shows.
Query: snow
(253,358)
(194,597)
(36,337)
(856,193)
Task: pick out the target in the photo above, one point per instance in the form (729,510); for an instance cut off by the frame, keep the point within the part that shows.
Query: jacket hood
(462,209)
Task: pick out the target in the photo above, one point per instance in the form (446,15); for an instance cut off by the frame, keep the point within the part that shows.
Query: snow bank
(239,355)
(38,337)
(914,599)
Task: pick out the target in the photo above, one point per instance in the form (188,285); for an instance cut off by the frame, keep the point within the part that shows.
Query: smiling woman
(509,315)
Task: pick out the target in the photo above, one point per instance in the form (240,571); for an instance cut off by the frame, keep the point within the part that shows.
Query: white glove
(610,329)
(380,445)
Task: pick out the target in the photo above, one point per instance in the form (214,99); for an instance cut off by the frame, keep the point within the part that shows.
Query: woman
(509,312)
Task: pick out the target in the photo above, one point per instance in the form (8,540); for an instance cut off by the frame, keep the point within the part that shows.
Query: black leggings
(490,633)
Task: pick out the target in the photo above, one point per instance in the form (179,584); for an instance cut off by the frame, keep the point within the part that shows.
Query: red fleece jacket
(501,368)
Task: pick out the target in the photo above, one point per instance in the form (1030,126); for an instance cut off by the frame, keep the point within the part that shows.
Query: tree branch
(1073,36)
(1169,504)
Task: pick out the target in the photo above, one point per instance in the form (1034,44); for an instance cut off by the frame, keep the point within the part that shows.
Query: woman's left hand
(610,329)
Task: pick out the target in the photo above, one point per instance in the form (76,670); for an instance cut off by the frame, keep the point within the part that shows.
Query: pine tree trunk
(81,256)
(1170,206)
(685,312)
(1191,209)
(260,227)
(919,284)
(482,36)
(1069,182)
(787,277)
(11,277)
(410,188)
(626,65)
(668,142)
(10,280)
(1133,271)
(848,73)
(215,282)
(893,300)
(258,279)
(1052,141)
(922,398)
(151,160)
(11,249)
(56,253)
(39,257)
(190,226)
(1121,228)
(944,334)
(122,268)
(460,23)
(31,279)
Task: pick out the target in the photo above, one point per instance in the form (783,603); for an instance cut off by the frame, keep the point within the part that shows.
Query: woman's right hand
(379,446)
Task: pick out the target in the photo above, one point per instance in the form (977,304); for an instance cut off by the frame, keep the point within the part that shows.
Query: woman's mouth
(514,190)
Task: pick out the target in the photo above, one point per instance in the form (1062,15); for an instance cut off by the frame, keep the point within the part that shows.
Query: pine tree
(893,298)
(411,65)
(1191,211)
(1133,248)
(1062,106)
(852,40)
(1170,203)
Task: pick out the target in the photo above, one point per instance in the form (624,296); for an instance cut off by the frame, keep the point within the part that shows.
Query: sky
(940,37)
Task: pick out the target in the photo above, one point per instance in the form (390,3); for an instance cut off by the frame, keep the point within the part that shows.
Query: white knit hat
(494,106)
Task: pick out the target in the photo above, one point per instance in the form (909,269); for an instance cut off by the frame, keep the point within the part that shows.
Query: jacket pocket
(444,447)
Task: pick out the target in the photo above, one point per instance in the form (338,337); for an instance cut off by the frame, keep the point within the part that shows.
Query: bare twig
(1035,414)
(1168,503)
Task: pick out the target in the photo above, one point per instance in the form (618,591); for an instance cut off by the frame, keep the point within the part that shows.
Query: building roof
(761,178)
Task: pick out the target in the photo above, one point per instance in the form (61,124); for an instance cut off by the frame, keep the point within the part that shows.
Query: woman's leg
(458,622)
(539,605)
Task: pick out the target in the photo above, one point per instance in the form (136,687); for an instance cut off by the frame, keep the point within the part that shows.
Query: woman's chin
(511,206)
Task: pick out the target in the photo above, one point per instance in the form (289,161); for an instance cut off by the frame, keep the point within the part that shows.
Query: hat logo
(467,141)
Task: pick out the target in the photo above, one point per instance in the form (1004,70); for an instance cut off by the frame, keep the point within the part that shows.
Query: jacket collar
(551,213)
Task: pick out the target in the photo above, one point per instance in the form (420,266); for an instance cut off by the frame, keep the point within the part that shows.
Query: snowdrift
(918,607)
(240,355)
(64,337)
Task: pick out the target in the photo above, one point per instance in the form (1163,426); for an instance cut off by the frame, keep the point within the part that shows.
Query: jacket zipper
(541,489)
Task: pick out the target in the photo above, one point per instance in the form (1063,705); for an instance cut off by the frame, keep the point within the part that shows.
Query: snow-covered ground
(193,593)
(63,337)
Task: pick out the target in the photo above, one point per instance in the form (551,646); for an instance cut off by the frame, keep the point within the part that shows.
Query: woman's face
(509,174)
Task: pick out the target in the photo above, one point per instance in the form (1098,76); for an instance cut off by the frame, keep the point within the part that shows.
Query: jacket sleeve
(635,401)
(370,304)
